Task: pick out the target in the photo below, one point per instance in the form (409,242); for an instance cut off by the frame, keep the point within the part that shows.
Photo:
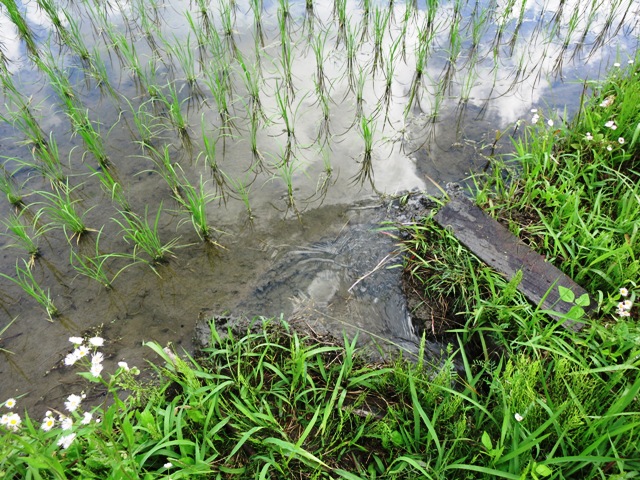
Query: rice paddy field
(159,158)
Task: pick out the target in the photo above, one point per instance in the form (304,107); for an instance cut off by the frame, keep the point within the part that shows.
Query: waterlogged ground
(290,121)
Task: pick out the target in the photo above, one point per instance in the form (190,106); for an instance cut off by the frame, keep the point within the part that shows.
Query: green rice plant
(73,38)
(380,26)
(126,53)
(145,236)
(95,266)
(226,12)
(166,168)
(24,236)
(367,129)
(22,118)
(216,78)
(195,200)
(351,52)
(10,189)
(88,131)
(318,45)
(417,81)
(173,106)
(24,31)
(251,78)
(284,20)
(60,207)
(147,126)
(48,161)
(111,186)
(285,168)
(25,280)
(184,52)
(98,72)
(256,9)
(204,15)
(242,188)
(209,154)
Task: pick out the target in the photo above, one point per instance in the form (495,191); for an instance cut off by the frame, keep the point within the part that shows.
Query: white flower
(48,413)
(87,418)
(48,423)
(623,313)
(66,440)
(588,136)
(10,403)
(621,141)
(123,365)
(518,417)
(96,368)
(627,304)
(611,124)
(71,358)
(97,358)
(81,351)
(535,118)
(96,341)
(4,419)
(76,340)
(624,292)
(534,110)
(13,421)
(630,62)
(609,148)
(616,64)
(550,122)
(168,465)
(73,402)
(66,423)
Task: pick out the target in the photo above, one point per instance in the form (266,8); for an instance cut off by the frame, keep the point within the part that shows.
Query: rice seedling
(380,26)
(22,118)
(324,131)
(286,67)
(60,207)
(256,8)
(282,102)
(25,280)
(99,73)
(24,236)
(367,129)
(285,168)
(95,266)
(318,44)
(351,52)
(127,54)
(195,200)
(227,19)
(50,8)
(24,31)
(73,38)
(203,12)
(145,236)
(417,81)
(173,106)
(184,53)
(252,79)
(210,158)
(284,20)
(242,188)
(111,186)
(10,189)
(90,134)
(216,80)
(167,169)
(49,164)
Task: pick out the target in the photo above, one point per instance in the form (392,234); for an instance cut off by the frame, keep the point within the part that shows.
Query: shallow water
(486,66)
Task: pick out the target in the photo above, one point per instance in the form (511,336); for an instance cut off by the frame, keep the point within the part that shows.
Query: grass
(25,279)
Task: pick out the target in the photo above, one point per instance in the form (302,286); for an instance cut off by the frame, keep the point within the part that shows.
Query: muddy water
(312,251)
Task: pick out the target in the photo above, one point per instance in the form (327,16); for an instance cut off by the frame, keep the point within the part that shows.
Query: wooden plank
(499,248)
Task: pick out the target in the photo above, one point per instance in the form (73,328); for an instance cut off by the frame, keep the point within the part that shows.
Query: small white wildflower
(76,340)
(96,341)
(170,354)
(10,403)
(624,292)
(48,423)
(123,365)
(534,110)
(588,136)
(4,419)
(616,64)
(87,418)
(66,423)
(97,357)
(70,359)
(550,122)
(629,62)
(623,313)
(14,421)
(66,440)
(609,148)
(81,351)
(518,417)
(621,141)
(48,413)
(535,118)
(96,369)
(73,402)
(611,124)
(627,304)
(168,465)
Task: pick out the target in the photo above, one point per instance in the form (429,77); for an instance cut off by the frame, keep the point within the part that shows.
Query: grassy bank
(532,400)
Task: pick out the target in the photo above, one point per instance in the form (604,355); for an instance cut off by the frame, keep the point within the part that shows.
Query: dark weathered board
(499,248)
